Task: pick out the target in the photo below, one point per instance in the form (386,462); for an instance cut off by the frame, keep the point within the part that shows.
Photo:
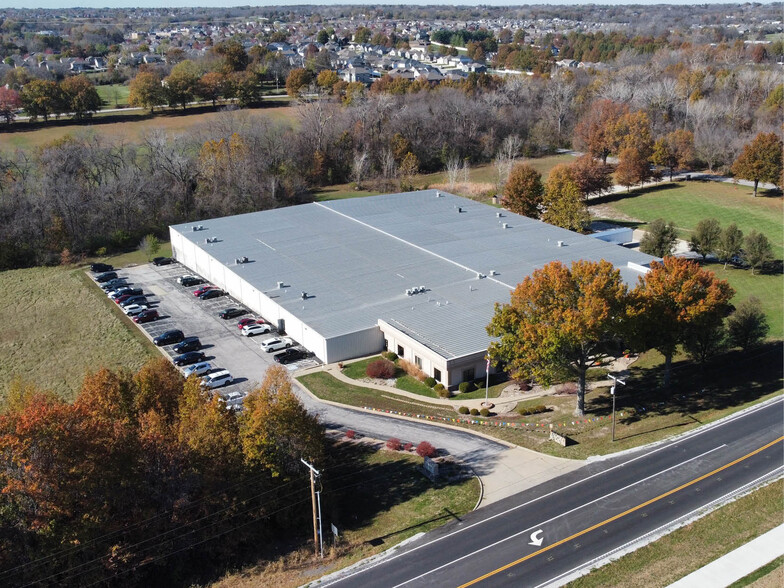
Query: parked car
(162,261)
(230,313)
(290,355)
(169,338)
(188,358)
(125,292)
(232,396)
(105,277)
(198,369)
(134,309)
(114,283)
(209,294)
(204,289)
(99,268)
(187,344)
(189,280)
(134,300)
(276,343)
(249,321)
(146,316)
(122,297)
(217,379)
(255,329)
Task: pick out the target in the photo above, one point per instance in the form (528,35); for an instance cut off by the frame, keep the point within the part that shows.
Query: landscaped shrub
(465,387)
(533,409)
(485,412)
(394,444)
(443,392)
(430,382)
(568,388)
(525,385)
(411,370)
(408,447)
(350,434)
(474,412)
(463,410)
(425,449)
(390,355)
(381,368)
(438,387)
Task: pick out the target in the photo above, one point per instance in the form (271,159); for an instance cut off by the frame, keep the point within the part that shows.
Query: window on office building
(437,374)
(468,375)
(400,351)
(418,361)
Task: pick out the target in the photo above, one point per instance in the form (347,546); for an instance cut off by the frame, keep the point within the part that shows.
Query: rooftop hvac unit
(409,292)
(479,276)
(241,260)
(560,243)
(504,226)
(304,295)
(195,228)
(280,285)
(211,240)
(498,215)
(438,194)
(492,272)
(459,209)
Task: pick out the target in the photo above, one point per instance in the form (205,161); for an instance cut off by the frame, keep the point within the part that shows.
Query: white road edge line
(495,516)
(657,533)
(550,520)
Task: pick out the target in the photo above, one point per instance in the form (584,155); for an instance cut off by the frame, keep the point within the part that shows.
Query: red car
(203,289)
(249,321)
(146,316)
(122,298)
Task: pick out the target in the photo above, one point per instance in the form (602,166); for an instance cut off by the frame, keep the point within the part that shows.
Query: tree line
(568,319)
(146,479)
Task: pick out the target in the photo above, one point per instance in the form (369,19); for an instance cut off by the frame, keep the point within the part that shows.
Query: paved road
(582,517)
(244,359)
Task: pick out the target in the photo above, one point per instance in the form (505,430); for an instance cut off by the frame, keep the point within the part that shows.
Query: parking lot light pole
(612,393)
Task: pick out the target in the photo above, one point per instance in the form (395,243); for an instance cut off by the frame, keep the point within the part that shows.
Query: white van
(217,379)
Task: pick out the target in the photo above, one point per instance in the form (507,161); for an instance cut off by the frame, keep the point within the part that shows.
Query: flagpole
(487,380)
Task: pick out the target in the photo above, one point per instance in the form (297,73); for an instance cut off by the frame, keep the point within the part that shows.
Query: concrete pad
(519,469)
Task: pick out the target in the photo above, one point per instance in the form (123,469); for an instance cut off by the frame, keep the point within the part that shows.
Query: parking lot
(221,340)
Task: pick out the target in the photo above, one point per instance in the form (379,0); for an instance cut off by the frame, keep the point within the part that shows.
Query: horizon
(99,4)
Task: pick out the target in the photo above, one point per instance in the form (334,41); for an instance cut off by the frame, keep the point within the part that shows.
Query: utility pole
(616,381)
(316,518)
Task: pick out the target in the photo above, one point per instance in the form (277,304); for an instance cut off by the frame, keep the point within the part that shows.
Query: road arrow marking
(536,540)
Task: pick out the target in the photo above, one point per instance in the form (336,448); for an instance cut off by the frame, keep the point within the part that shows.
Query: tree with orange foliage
(523,191)
(275,429)
(633,168)
(592,176)
(760,161)
(559,318)
(674,300)
(593,132)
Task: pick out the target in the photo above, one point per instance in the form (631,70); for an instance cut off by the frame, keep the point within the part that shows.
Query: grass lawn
(134,257)
(133,130)
(769,288)
(687,203)
(644,412)
(480,174)
(114,95)
(691,547)
(56,326)
(376,498)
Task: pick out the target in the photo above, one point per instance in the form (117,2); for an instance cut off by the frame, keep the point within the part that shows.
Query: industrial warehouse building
(415,273)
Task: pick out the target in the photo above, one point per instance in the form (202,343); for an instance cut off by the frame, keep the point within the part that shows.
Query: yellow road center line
(620,515)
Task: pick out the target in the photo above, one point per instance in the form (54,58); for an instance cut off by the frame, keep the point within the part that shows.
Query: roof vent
(195,228)
(504,226)
(498,215)
(479,276)
(211,240)
(438,194)
(492,272)
(240,260)
(304,295)
(459,209)
(560,243)
(280,285)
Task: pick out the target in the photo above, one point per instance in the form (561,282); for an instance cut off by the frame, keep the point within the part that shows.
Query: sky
(223,3)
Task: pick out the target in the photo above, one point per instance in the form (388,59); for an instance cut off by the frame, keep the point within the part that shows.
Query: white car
(199,369)
(255,329)
(232,396)
(217,379)
(134,309)
(277,343)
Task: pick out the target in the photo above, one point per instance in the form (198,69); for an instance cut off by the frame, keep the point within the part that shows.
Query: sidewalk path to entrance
(737,564)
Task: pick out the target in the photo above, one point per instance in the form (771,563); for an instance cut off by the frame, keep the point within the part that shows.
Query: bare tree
(359,168)
(453,166)
(505,158)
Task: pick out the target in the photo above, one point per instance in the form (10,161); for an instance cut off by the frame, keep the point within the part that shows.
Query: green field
(687,203)
(691,547)
(57,325)
(768,288)
(114,95)
(131,130)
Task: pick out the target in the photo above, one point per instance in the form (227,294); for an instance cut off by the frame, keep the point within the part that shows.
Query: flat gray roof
(356,258)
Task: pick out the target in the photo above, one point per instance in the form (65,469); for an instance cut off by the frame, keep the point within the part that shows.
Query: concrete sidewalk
(737,564)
